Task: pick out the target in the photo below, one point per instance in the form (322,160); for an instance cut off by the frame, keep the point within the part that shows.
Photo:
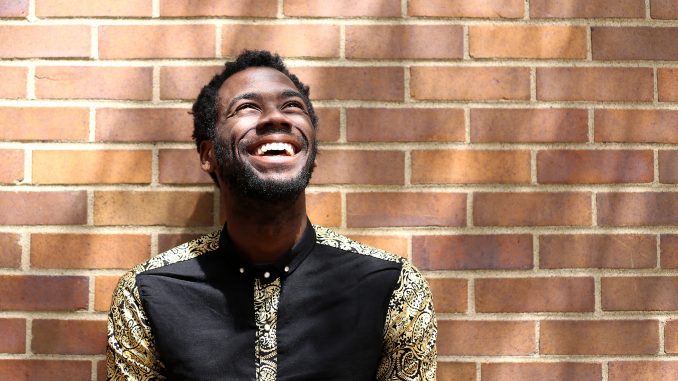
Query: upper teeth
(289,150)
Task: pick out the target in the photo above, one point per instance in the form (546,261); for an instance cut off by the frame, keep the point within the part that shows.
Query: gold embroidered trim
(266,297)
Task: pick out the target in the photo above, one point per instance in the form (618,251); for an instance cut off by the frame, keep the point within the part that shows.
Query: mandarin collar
(283,267)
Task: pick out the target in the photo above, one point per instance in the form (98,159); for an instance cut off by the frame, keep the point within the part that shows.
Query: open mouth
(275,149)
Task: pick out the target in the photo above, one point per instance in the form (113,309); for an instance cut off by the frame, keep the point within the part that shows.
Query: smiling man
(270,296)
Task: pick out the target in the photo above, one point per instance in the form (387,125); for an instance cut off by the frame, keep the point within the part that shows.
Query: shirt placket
(266,296)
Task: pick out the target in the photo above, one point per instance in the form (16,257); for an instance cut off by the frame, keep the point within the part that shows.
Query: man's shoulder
(328,237)
(186,251)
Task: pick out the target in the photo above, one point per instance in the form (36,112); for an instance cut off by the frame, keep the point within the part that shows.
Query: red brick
(470,166)
(10,250)
(405,41)
(359,167)
(72,82)
(101,370)
(671,336)
(668,167)
(15,8)
(602,337)
(153,208)
(634,43)
(342,8)
(404,125)
(449,295)
(287,40)
(143,124)
(553,371)
(89,251)
(13,333)
(324,208)
(507,9)
(375,209)
(169,241)
(30,370)
(643,370)
(358,83)
(669,251)
(529,125)
(229,8)
(12,170)
(92,167)
(527,41)
(535,295)
(328,124)
(43,208)
(456,371)
(636,126)
(71,337)
(470,83)
(664,9)
(159,41)
(104,286)
(667,85)
(640,293)
(637,209)
(485,338)
(44,123)
(594,84)
(594,166)
(615,251)
(532,209)
(587,9)
(13,81)
(185,82)
(181,166)
(45,41)
(473,252)
(43,293)
(392,244)
(99,8)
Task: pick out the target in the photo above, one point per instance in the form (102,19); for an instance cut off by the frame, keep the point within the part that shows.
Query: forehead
(259,80)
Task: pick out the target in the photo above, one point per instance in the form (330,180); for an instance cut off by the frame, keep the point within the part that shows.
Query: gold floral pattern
(266,296)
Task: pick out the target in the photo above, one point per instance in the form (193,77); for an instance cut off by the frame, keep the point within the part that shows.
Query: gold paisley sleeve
(131,353)
(410,331)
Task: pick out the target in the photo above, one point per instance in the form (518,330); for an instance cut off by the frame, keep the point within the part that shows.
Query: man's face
(265,143)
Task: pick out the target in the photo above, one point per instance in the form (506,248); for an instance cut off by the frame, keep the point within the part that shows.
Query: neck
(263,230)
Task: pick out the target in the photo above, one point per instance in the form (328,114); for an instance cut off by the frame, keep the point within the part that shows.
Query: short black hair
(205,108)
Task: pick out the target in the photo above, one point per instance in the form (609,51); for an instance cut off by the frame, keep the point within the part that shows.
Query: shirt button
(287,269)
(267,275)
(267,327)
(242,270)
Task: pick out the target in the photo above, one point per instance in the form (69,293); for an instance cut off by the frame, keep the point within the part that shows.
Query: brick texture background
(522,153)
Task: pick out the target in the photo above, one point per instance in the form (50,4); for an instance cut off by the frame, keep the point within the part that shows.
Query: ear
(208,161)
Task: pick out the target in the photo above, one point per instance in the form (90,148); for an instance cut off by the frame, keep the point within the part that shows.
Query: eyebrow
(242,96)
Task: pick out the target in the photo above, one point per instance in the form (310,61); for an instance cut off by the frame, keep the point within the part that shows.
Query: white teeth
(289,150)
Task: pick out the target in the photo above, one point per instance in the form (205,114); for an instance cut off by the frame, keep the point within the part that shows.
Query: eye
(246,106)
(293,104)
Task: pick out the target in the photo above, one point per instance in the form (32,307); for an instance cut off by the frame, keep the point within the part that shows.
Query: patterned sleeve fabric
(410,331)
(131,353)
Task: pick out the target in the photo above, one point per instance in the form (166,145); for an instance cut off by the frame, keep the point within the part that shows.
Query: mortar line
(408,168)
(658,251)
(280,10)
(90,207)
(94,42)
(342,42)
(155,9)
(25,243)
(218,42)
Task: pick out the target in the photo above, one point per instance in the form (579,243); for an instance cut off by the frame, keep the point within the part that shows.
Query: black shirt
(331,309)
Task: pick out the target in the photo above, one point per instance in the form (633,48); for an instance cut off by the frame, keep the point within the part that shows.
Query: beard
(244,180)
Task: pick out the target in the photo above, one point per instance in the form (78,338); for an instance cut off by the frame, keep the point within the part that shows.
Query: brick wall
(522,153)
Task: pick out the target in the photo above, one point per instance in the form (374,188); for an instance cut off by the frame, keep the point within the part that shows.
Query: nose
(274,118)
